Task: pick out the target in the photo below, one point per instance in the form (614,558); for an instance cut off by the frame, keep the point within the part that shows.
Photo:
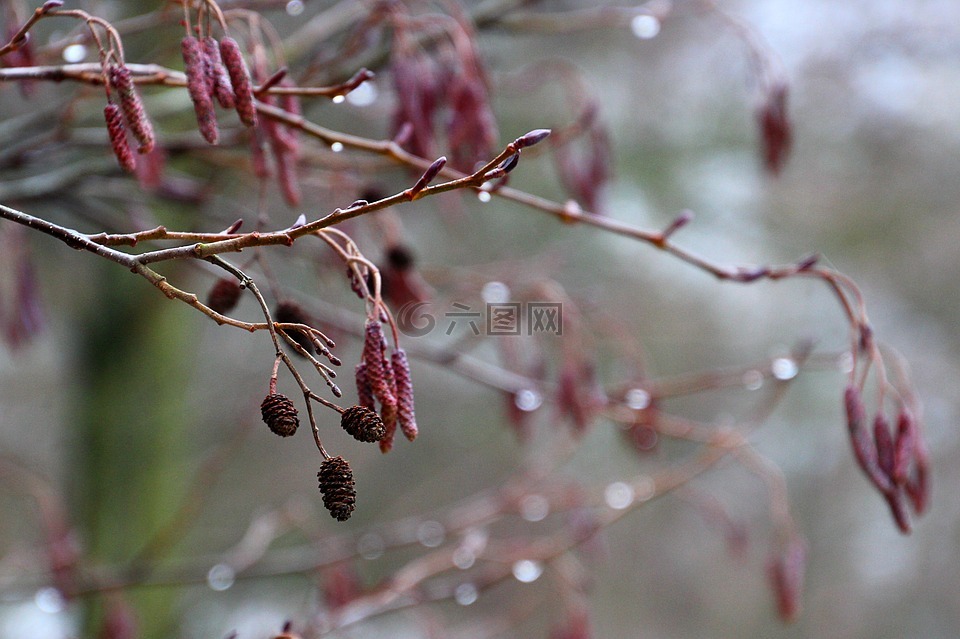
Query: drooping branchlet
(121,81)
(363,424)
(118,138)
(337,487)
(288,312)
(224,295)
(404,384)
(239,79)
(195,68)
(218,82)
(280,414)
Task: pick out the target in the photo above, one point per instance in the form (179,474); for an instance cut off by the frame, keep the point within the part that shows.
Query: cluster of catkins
(284,147)
(128,115)
(387,381)
(895,460)
(217,70)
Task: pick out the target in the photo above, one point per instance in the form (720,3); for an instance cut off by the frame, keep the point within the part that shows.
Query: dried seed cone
(280,414)
(224,295)
(118,138)
(217,78)
(337,487)
(239,79)
(363,424)
(121,81)
(405,413)
(195,69)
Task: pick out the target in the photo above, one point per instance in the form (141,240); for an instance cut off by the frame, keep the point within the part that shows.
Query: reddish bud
(193,60)
(401,372)
(118,138)
(239,79)
(786,574)
(218,82)
(121,81)
(533,137)
(917,485)
(427,176)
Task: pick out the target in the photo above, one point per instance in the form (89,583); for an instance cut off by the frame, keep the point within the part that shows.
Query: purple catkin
(218,81)
(240,80)
(364,392)
(864,447)
(884,443)
(903,446)
(121,81)
(374,346)
(405,409)
(193,60)
(776,134)
(786,576)
(118,138)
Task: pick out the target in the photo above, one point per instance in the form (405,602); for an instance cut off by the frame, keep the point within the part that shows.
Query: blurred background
(127,404)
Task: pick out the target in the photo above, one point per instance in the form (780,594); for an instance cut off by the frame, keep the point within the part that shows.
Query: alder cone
(337,487)
(280,414)
(363,424)
(224,295)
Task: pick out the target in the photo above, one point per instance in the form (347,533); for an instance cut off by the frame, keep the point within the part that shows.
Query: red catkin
(904,446)
(193,60)
(232,59)
(136,118)
(404,383)
(218,81)
(884,442)
(776,135)
(118,138)
(374,346)
(786,573)
(864,447)
(364,392)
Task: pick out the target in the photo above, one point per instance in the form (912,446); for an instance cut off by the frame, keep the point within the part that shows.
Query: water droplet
(336,147)
(784,368)
(364,95)
(753,380)
(645,26)
(534,507)
(618,495)
(74,53)
(294,7)
(644,488)
(49,600)
(465,594)
(484,196)
(845,363)
(463,558)
(495,293)
(527,571)
(221,577)
(637,398)
(370,546)
(528,400)
(430,533)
